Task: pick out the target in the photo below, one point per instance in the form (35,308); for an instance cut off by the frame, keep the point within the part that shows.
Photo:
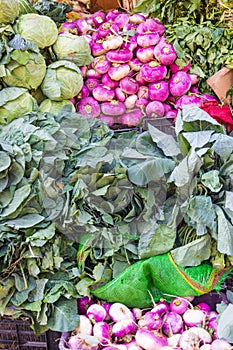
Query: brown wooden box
(220,83)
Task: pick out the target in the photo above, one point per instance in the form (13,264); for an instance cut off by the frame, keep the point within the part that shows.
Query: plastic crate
(166,125)
(17,335)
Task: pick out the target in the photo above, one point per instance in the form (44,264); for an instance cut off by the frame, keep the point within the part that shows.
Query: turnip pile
(135,71)
(177,325)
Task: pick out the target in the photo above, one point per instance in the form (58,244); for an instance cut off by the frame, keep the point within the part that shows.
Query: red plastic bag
(222,114)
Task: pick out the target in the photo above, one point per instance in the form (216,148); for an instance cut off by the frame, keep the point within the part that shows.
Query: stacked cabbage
(29,71)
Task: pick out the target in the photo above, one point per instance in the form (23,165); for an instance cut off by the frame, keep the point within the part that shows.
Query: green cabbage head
(63,80)
(40,30)
(14,103)
(55,107)
(25,69)
(73,48)
(9,10)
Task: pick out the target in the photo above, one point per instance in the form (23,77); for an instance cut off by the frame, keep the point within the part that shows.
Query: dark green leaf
(65,317)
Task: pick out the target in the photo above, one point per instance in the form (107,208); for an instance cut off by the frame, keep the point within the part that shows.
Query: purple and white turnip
(175,325)
(135,64)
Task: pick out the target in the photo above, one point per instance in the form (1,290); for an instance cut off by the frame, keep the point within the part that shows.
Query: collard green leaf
(145,145)
(193,253)
(33,268)
(150,170)
(41,236)
(65,317)
(164,141)
(21,296)
(16,172)
(5,161)
(225,324)
(200,213)
(92,156)
(193,119)
(6,197)
(211,180)
(225,229)
(3,183)
(37,293)
(229,200)
(198,139)
(160,240)
(25,221)
(19,197)
(223,146)
(186,169)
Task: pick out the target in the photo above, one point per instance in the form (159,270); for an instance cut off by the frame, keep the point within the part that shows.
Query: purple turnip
(89,107)
(107,81)
(146,40)
(118,71)
(129,85)
(103,93)
(113,108)
(154,109)
(158,91)
(180,84)
(145,54)
(150,340)
(153,72)
(119,56)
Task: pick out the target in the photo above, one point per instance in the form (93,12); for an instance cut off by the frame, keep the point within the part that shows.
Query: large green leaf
(160,240)
(65,317)
(164,141)
(200,213)
(211,180)
(152,169)
(186,169)
(225,324)
(193,253)
(225,229)
(19,197)
(25,221)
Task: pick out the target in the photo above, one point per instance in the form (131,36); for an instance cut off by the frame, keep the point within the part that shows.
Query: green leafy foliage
(55,10)
(207,45)
(79,203)
(169,11)
(198,30)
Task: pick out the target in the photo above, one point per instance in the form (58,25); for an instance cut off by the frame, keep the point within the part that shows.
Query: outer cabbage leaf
(73,48)
(9,10)
(14,103)
(26,69)
(63,80)
(40,30)
(55,107)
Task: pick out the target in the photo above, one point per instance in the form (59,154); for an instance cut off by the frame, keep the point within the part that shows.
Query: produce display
(177,325)
(135,73)
(90,199)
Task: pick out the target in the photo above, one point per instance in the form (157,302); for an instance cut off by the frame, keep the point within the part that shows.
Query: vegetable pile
(199,30)
(80,203)
(30,73)
(176,325)
(135,71)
